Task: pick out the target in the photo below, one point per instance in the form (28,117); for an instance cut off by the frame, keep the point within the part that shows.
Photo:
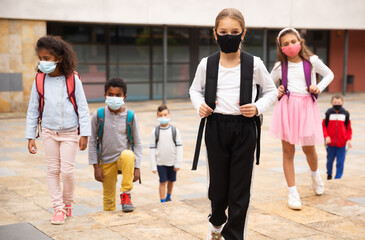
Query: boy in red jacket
(337,132)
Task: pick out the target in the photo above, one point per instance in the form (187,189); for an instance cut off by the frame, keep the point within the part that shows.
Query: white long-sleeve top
(228,88)
(58,113)
(166,153)
(296,77)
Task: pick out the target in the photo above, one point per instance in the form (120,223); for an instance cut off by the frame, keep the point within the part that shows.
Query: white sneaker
(317,184)
(294,201)
(214,233)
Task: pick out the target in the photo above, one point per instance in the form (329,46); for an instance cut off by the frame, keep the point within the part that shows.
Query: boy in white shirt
(166,152)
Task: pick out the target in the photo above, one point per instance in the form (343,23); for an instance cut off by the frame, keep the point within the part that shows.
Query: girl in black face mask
(224,92)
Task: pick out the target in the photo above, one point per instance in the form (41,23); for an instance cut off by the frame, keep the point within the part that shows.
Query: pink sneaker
(59,217)
(68,209)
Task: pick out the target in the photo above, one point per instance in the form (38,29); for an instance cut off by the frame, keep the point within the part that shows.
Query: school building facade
(156,45)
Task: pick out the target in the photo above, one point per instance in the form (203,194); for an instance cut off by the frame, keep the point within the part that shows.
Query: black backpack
(247,63)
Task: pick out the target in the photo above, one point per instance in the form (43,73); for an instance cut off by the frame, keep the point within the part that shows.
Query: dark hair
(162,107)
(337,96)
(59,47)
(116,82)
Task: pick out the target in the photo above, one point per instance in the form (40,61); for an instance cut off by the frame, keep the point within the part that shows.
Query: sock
(168,196)
(216,230)
(163,200)
(127,192)
(313,174)
(293,189)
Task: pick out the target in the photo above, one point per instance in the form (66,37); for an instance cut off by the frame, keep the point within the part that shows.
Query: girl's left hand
(248,110)
(176,169)
(314,89)
(83,143)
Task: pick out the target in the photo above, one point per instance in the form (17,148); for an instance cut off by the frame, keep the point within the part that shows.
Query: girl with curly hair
(58,105)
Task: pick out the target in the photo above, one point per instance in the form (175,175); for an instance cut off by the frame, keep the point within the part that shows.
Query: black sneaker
(329,176)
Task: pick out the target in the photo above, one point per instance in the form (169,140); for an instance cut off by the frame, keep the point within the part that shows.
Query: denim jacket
(58,114)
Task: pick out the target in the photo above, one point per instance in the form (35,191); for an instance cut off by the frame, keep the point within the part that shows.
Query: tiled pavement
(338,214)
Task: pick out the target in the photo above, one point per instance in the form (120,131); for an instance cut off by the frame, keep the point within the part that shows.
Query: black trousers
(231,142)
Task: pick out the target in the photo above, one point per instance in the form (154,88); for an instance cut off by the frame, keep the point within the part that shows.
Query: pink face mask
(291,50)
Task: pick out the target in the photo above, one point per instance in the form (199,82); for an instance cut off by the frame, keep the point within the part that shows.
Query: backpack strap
(347,119)
(157,135)
(247,64)
(211,79)
(70,84)
(284,78)
(40,78)
(130,117)
(100,131)
(246,78)
(173,131)
(307,66)
(39,81)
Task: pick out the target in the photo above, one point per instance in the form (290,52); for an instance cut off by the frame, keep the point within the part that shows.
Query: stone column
(18,61)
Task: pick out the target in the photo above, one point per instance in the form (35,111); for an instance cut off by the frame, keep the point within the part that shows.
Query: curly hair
(59,47)
(116,82)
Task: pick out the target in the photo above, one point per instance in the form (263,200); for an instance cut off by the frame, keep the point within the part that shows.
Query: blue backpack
(100,118)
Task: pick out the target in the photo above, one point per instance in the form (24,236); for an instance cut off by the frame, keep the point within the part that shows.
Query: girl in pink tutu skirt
(296,118)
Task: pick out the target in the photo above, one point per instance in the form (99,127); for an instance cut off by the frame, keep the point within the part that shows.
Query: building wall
(309,14)
(356,61)
(17,61)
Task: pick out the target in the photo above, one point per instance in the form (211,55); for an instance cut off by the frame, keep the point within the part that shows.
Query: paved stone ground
(338,214)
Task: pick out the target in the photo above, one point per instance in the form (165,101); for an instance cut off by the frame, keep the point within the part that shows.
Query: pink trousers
(60,150)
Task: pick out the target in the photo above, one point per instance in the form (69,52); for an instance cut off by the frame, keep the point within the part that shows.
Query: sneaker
(329,177)
(214,233)
(59,217)
(317,184)
(68,209)
(125,201)
(168,199)
(294,201)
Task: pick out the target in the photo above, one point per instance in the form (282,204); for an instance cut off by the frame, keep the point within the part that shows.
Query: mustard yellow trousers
(125,163)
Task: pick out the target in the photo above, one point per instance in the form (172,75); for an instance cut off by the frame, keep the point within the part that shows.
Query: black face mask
(337,107)
(229,43)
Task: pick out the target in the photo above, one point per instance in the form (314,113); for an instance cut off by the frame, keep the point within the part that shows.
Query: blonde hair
(232,13)
(304,53)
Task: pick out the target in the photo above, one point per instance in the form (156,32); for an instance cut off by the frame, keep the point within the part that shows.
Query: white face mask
(47,67)
(163,120)
(114,102)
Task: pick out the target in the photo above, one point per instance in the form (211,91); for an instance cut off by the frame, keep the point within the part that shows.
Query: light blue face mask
(114,102)
(47,67)
(163,120)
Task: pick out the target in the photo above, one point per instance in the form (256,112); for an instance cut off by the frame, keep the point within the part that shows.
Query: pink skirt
(297,120)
